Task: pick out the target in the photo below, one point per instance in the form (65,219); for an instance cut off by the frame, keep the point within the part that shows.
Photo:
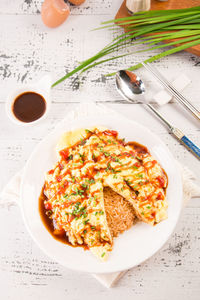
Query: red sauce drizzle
(110,132)
(161,181)
(64,154)
(45,207)
(51,171)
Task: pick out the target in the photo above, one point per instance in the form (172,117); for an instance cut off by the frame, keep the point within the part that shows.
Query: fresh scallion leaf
(177,27)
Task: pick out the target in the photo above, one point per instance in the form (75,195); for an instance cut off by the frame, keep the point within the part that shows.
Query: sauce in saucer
(29,106)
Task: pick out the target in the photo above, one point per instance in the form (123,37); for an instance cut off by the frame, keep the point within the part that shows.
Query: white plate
(133,246)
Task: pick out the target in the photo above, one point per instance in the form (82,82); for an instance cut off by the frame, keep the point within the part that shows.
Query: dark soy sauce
(59,235)
(29,107)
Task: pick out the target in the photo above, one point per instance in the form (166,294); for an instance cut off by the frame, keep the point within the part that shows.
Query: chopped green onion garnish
(86,221)
(106,153)
(88,131)
(84,185)
(139,175)
(138,158)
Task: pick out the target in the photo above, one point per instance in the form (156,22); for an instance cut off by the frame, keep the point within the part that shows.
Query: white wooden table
(27,51)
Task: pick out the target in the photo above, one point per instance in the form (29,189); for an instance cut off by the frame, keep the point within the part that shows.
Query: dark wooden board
(170,4)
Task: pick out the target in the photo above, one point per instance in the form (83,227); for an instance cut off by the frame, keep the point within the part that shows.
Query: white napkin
(179,82)
(11,192)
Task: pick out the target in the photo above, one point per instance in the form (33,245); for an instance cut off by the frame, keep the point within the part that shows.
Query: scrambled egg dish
(88,161)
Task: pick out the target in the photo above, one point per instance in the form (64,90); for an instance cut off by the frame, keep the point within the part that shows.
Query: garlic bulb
(138,5)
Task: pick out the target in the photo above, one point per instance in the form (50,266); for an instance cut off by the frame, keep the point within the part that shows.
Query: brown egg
(77,2)
(54,12)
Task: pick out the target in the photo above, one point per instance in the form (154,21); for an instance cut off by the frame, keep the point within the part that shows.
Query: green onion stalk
(179,28)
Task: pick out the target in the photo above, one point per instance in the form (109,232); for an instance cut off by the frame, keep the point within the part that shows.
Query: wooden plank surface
(164,5)
(27,51)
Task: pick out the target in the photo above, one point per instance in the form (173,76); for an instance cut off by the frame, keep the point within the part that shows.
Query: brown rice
(120,213)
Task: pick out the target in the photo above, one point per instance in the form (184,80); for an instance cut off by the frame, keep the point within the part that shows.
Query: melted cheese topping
(88,161)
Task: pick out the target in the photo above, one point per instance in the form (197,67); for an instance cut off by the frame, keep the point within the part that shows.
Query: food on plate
(99,187)
(54,12)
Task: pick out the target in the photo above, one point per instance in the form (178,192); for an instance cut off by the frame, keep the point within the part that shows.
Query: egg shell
(54,12)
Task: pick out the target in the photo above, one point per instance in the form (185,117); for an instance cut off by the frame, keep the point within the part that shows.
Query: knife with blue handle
(178,134)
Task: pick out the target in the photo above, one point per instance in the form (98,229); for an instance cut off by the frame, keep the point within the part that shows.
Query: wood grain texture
(27,51)
(164,5)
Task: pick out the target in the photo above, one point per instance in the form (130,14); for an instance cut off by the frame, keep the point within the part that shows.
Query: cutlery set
(132,88)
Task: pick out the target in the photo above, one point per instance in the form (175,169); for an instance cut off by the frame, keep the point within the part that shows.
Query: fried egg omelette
(90,161)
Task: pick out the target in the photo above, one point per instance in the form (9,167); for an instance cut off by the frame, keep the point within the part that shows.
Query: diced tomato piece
(51,171)
(48,206)
(137,164)
(159,196)
(86,247)
(59,178)
(111,132)
(64,153)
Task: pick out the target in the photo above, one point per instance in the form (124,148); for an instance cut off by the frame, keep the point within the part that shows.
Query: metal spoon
(132,88)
